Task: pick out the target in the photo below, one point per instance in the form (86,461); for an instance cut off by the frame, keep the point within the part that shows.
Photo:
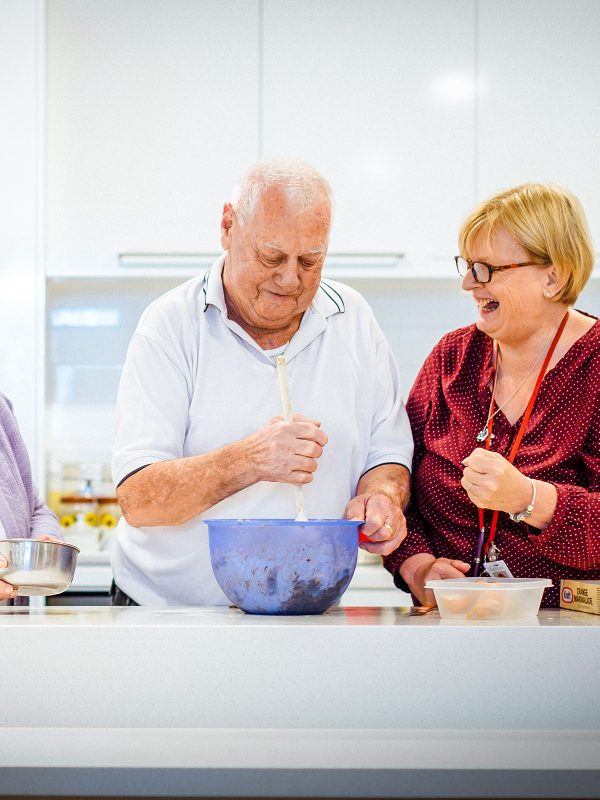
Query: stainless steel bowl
(38,568)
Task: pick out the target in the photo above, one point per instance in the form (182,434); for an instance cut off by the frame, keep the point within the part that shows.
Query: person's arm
(157,483)
(571,538)
(563,525)
(416,549)
(382,495)
(491,481)
(416,570)
(172,492)
(383,490)
(44,523)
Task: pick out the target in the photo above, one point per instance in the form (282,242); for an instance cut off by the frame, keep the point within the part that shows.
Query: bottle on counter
(79,518)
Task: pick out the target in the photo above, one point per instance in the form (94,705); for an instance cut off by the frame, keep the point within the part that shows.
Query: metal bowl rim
(40,541)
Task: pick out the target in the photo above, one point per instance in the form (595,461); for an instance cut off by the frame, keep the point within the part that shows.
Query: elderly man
(199,426)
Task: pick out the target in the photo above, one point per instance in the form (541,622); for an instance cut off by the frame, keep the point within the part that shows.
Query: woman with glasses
(506,412)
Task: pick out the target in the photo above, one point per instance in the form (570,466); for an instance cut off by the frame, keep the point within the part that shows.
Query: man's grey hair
(302,185)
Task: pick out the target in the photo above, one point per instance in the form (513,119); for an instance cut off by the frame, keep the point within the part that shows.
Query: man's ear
(227,220)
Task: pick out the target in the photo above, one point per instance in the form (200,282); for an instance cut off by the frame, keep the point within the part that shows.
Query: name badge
(498,569)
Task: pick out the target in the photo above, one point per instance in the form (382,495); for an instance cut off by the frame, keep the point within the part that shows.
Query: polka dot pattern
(448,406)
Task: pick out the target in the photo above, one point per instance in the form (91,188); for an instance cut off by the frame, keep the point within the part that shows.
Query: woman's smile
(486,305)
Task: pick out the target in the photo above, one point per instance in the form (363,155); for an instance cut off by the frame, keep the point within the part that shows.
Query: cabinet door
(539,113)
(380,96)
(152,115)
(21,376)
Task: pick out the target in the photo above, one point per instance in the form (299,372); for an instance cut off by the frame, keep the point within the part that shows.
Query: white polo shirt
(194,381)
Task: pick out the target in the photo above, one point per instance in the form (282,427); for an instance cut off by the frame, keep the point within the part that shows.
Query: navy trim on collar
(204,284)
(339,305)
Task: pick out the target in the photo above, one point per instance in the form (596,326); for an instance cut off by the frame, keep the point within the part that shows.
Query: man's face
(273,265)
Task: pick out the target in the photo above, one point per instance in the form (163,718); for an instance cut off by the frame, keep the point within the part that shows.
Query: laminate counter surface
(358,702)
(222,617)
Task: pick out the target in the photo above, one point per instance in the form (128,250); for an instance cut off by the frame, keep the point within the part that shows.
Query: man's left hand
(385,525)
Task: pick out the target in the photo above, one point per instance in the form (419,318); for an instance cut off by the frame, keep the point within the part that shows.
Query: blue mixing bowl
(280,566)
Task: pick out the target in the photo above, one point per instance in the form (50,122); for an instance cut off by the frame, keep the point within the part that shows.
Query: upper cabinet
(413,109)
(379,95)
(152,113)
(539,107)
(21,148)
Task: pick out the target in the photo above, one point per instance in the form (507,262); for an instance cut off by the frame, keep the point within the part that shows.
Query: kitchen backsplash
(90,323)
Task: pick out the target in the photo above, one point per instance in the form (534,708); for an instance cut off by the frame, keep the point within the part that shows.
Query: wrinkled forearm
(392,480)
(172,492)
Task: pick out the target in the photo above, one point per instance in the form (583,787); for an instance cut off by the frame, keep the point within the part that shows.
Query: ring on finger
(389,527)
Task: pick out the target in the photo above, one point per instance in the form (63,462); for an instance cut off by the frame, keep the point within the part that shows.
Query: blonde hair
(548,222)
(302,185)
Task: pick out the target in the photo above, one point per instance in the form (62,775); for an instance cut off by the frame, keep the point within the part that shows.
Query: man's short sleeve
(391,437)
(152,407)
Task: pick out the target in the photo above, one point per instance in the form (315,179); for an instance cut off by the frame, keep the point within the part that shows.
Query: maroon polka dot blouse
(448,406)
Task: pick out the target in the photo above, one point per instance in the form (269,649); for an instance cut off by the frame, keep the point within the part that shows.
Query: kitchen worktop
(363,702)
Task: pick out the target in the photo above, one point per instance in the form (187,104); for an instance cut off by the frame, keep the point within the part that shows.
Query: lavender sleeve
(22,512)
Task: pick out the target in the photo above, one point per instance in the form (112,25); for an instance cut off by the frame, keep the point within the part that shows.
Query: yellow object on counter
(580,596)
(54,500)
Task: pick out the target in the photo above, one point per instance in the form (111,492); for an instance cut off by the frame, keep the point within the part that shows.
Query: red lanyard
(526,416)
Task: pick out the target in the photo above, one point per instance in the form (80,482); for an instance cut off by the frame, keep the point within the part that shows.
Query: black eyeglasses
(483,272)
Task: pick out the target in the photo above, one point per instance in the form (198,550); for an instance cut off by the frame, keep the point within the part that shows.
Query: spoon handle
(286,404)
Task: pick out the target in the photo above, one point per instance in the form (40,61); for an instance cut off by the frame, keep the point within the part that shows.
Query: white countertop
(355,702)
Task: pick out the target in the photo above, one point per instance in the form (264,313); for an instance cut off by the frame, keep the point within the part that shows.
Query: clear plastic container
(488,598)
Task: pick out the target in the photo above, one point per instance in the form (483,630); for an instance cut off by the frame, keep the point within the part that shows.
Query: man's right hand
(287,452)
(423,567)
(173,492)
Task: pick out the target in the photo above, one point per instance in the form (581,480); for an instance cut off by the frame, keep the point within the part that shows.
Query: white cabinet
(152,113)
(539,108)
(21,137)
(414,110)
(380,96)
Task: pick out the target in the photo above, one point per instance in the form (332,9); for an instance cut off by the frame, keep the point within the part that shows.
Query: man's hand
(173,492)
(491,481)
(287,452)
(385,525)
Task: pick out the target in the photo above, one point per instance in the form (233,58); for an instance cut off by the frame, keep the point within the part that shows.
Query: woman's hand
(422,567)
(7,592)
(491,481)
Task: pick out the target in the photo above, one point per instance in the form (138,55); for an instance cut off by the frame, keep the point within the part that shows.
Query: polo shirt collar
(326,302)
